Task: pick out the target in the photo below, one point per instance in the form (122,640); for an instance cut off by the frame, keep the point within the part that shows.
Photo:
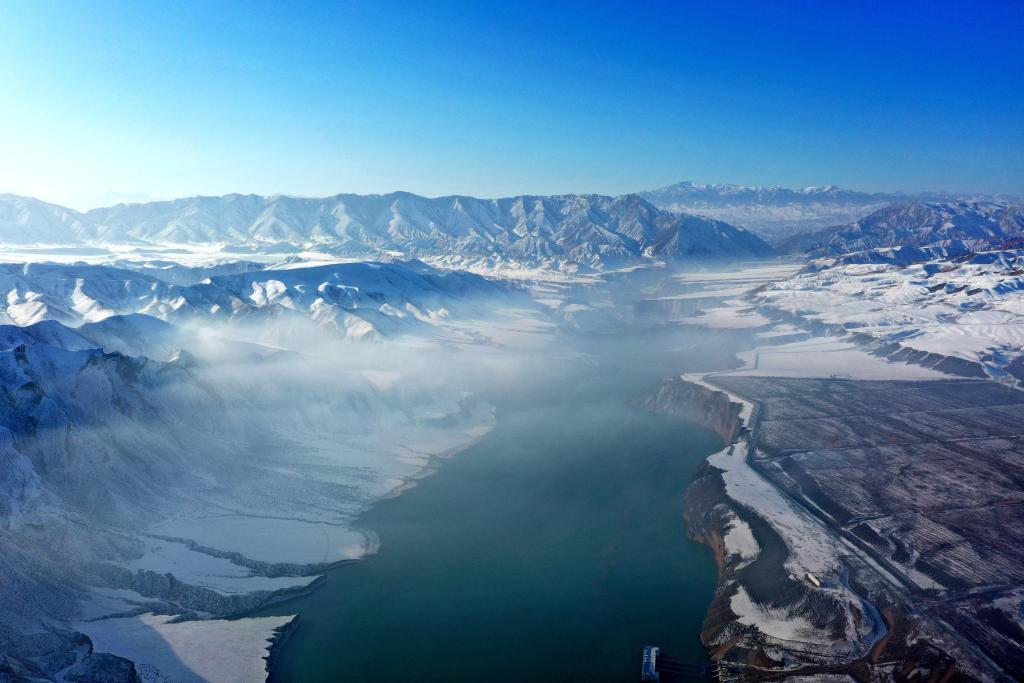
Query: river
(553,549)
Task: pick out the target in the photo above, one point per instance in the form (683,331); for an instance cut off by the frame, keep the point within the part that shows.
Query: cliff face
(707,407)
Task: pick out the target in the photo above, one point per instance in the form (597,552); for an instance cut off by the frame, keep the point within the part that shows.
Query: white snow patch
(200,569)
(728,317)
(812,549)
(740,541)
(212,651)
(774,622)
(269,539)
(826,357)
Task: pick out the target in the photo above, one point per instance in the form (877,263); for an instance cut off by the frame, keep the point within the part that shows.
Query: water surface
(552,550)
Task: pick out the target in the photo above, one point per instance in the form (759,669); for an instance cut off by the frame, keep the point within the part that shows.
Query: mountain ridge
(587,230)
(777,213)
(357,300)
(967,226)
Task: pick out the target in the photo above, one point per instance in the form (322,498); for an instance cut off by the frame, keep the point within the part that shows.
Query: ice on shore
(199,569)
(210,651)
(269,540)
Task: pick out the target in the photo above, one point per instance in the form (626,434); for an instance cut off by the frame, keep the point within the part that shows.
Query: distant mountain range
(963,226)
(573,230)
(775,213)
(679,223)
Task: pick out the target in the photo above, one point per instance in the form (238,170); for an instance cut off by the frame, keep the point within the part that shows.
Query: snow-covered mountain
(357,300)
(133,334)
(770,212)
(24,220)
(776,213)
(563,230)
(698,238)
(965,225)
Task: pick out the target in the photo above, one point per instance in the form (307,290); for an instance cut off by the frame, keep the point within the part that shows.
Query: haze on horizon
(114,101)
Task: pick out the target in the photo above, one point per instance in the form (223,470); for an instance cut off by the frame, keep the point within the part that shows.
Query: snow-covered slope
(24,220)
(252,471)
(74,294)
(964,225)
(695,238)
(134,334)
(562,231)
(776,213)
(969,307)
(358,300)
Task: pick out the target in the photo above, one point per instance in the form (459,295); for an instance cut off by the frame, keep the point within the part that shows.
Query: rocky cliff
(707,407)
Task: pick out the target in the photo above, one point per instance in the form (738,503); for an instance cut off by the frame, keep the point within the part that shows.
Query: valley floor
(866,516)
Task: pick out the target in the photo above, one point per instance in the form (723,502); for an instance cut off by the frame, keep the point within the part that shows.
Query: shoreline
(324,618)
(895,613)
(141,625)
(281,636)
(284,633)
(731,491)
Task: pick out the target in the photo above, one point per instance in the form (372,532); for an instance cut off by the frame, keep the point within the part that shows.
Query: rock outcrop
(707,407)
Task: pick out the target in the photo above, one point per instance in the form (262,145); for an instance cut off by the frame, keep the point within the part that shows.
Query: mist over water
(348,342)
(539,525)
(556,544)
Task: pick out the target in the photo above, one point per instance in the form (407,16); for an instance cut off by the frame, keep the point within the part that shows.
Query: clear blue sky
(495,99)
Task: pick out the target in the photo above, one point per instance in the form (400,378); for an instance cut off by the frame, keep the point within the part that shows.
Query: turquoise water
(552,550)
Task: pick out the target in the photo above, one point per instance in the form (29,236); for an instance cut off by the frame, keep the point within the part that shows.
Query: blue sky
(493,99)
